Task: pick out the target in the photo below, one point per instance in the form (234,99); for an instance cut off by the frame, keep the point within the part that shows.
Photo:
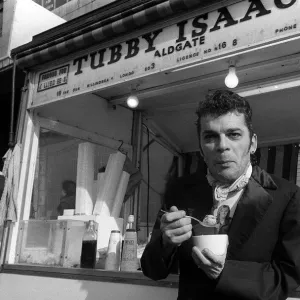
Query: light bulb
(132,101)
(231,80)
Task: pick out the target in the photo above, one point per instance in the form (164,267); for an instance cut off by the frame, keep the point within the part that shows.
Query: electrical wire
(152,188)
(11,142)
(148,183)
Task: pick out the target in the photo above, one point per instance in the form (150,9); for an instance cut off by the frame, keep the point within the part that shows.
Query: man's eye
(209,136)
(234,134)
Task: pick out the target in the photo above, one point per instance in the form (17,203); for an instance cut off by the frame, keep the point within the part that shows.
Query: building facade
(169,54)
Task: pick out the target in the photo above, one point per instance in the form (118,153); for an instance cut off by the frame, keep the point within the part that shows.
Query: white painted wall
(92,114)
(30,19)
(43,288)
(22,19)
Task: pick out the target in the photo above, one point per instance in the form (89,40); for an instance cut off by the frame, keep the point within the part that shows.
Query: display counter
(64,283)
(93,275)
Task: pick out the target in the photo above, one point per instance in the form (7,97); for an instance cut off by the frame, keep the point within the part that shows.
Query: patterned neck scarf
(222,190)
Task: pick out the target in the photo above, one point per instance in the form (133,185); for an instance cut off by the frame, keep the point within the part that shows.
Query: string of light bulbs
(231,81)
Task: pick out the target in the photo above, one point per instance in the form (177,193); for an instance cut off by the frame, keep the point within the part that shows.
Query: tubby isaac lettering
(184,38)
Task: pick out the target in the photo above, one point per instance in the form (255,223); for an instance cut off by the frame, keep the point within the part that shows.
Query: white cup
(216,243)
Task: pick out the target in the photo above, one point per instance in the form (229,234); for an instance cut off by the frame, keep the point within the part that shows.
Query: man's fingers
(177,240)
(175,227)
(216,259)
(173,208)
(200,258)
(178,231)
(182,238)
(177,223)
(210,263)
(173,216)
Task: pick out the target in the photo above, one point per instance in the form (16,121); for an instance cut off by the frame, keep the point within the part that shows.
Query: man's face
(226,145)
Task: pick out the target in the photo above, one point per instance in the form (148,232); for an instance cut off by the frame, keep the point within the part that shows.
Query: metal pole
(11,142)
(4,243)
(137,143)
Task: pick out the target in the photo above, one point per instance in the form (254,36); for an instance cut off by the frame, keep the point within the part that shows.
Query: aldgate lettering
(180,47)
(96,59)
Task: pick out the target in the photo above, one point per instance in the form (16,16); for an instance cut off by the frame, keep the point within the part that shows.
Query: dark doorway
(5,104)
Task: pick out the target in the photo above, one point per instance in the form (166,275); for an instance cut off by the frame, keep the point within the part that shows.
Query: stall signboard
(210,35)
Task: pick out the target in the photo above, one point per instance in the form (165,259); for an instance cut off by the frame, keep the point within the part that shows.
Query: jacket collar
(251,209)
(263,178)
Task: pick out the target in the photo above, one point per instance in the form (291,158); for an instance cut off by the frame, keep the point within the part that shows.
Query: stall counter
(48,283)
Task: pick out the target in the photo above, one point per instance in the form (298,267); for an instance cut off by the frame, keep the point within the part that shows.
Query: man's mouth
(224,162)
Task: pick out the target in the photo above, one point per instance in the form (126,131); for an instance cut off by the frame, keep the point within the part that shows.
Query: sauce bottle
(89,247)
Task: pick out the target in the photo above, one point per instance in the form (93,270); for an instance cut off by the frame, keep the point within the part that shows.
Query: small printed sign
(53,78)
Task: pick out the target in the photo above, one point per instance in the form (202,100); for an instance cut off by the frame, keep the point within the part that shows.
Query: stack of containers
(113,187)
(100,200)
(85,179)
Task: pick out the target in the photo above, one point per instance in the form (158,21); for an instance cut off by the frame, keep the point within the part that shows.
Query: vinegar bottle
(129,260)
(89,247)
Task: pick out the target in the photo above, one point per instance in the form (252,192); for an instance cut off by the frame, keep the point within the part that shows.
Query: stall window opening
(44,237)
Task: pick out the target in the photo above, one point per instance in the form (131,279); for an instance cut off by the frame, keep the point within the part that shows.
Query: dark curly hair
(69,187)
(221,102)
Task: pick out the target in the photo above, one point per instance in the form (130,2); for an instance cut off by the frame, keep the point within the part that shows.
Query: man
(67,201)
(263,256)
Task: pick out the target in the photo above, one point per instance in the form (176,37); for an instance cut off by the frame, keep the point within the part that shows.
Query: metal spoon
(200,222)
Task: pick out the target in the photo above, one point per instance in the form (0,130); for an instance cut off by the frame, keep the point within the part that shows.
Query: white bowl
(216,243)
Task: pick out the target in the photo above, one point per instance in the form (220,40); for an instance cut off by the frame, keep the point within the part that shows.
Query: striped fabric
(298,179)
(106,29)
(281,161)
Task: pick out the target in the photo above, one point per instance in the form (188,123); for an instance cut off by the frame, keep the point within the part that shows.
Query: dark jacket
(66,202)
(263,258)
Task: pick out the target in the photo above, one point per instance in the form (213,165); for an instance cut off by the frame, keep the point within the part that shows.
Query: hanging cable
(11,142)
(148,184)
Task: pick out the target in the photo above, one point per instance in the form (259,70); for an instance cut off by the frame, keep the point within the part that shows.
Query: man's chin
(226,176)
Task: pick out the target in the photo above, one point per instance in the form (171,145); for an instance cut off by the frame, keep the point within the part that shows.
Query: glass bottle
(89,247)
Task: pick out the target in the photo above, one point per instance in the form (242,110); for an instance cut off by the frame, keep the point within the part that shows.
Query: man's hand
(175,227)
(210,263)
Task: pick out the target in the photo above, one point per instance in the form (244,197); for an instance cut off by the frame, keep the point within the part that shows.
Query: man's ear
(253,146)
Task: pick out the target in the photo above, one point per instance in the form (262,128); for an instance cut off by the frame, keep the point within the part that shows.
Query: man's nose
(223,143)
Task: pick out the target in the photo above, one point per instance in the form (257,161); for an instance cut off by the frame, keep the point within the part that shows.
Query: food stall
(78,125)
